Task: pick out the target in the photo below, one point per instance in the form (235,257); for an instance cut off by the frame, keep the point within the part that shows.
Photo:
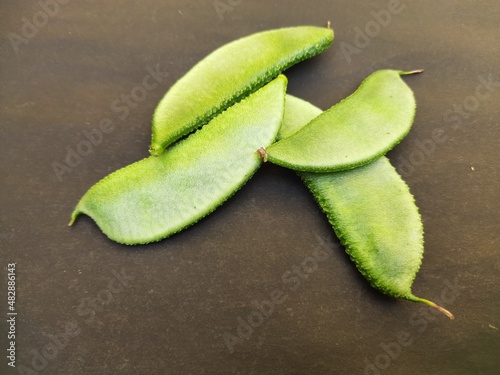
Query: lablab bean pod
(371,211)
(159,196)
(228,74)
(354,132)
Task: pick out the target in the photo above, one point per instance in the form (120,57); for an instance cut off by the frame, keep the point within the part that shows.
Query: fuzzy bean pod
(159,196)
(229,74)
(371,211)
(359,129)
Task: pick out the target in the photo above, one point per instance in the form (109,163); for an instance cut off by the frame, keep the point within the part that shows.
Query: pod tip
(328,24)
(416,71)
(444,311)
(434,305)
(439,308)
(74,215)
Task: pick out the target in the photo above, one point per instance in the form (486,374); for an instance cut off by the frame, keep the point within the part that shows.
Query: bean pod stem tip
(435,305)
(262,153)
(416,71)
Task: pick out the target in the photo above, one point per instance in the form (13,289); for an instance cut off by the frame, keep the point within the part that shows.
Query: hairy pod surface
(359,129)
(159,196)
(372,212)
(229,74)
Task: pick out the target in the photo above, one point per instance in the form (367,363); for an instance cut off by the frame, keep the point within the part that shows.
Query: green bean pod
(371,211)
(229,74)
(359,129)
(159,196)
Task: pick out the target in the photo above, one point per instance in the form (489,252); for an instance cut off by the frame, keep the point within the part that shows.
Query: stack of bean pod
(243,117)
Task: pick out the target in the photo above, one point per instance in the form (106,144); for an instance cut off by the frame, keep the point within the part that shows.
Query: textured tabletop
(262,285)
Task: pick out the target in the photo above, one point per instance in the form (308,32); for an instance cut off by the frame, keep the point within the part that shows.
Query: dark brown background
(184,293)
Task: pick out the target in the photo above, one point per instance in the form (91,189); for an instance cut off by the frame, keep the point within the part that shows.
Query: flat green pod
(371,211)
(228,74)
(359,129)
(159,196)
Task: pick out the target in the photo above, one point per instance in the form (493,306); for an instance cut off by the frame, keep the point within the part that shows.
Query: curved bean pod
(159,196)
(229,74)
(371,211)
(359,129)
